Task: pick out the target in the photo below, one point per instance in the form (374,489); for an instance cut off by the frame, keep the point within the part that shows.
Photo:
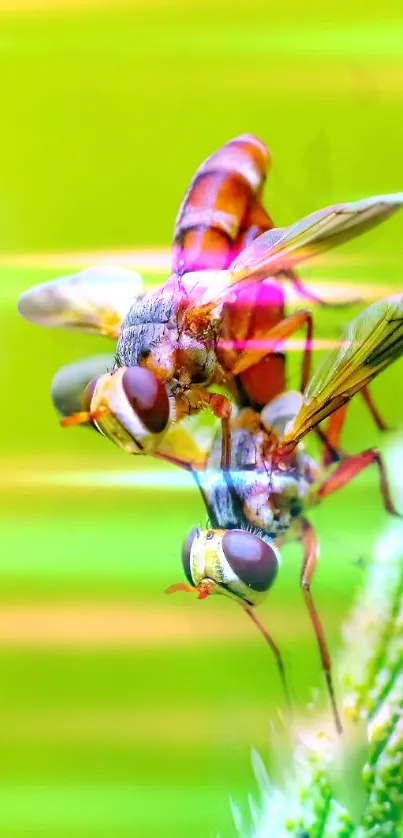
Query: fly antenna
(82,417)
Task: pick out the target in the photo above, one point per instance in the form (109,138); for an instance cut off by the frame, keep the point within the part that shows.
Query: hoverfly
(203,329)
(218,218)
(260,503)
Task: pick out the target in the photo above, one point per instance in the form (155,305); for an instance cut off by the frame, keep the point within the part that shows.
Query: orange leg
(270,341)
(310,560)
(335,425)
(380,424)
(309,295)
(203,590)
(331,436)
(221,407)
(350,468)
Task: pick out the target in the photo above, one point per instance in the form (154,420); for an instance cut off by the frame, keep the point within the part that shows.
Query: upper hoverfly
(204,328)
(260,503)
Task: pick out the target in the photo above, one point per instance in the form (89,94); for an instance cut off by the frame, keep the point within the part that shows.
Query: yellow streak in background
(149,259)
(13,6)
(88,626)
(145,726)
(158,260)
(144,259)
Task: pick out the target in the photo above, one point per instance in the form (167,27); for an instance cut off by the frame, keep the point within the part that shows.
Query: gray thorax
(152,329)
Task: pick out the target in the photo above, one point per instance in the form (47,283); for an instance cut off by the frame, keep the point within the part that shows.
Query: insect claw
(203,591)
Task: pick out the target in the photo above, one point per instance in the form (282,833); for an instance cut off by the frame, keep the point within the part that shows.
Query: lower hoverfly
(203,329)
(260,503)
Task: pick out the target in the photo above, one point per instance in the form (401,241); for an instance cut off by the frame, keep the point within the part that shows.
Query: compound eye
(252,559)
(88,394)
(186,549)
(148,398)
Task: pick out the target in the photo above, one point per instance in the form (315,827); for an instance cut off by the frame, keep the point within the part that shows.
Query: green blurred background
(123,712)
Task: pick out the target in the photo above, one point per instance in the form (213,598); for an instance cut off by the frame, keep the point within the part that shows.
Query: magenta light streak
(288,345)
(159,260)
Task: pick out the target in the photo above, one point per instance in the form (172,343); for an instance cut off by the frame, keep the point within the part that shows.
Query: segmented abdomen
(222,207)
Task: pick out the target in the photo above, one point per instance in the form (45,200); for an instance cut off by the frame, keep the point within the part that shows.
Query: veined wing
(94,300)
(371,342)
(281,248)
(70,381)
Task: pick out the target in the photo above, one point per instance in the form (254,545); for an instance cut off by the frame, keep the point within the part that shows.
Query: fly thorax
(271,501)
(287,496)
(311,470)
(141,342)
(258,509)
(287,485)
(205,286)
(244,451)
(149,322)
(227,506)
(197,358)
(161,357)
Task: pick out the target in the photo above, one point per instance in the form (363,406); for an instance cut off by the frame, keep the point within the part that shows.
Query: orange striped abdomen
(220,200)
(255,221)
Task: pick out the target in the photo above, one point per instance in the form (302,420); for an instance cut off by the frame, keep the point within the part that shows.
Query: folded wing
(70,381)
(371,342)
(281,248)
(94,300)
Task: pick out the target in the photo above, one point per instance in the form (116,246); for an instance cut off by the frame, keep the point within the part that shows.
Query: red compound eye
(148,398)
(253,560)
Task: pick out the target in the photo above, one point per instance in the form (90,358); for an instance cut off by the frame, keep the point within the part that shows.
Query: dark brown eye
(148,397)
(186,548)
(252,559)
(88,394)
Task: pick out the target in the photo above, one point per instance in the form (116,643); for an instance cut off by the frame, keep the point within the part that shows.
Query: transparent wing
(95,300)
(371,342)
(188,443)
(71,380)
(279,249)
(281,411)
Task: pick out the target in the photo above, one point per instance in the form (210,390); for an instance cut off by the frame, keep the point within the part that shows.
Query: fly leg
(311,553)
(313,298)
(221,407)
(350,468)
(274,648)
(380,424)
(331,436)
(269,341)
(278,333)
